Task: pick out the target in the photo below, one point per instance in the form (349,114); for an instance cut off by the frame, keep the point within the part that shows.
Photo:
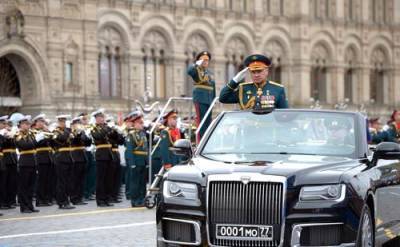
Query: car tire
(366,233)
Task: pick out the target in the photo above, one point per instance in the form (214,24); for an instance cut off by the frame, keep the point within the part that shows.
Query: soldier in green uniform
(127,155)
(260,89)
(169,136)
(137,147)
(203,89)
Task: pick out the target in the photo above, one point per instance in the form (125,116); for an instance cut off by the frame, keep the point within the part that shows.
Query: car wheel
(366,236)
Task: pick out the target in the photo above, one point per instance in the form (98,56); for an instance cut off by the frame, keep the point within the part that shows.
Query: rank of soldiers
(72,161)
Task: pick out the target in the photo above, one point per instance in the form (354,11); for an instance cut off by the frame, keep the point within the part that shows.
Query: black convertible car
(282,178)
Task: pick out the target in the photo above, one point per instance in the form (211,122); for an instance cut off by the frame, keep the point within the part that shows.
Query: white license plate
(243,232)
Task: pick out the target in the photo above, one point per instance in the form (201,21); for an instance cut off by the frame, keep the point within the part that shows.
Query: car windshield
(239,134)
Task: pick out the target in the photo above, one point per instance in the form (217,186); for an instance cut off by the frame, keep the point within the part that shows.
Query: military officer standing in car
(137,147)
(203,89)
(247,94)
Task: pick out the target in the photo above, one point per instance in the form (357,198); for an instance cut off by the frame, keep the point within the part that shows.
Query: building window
(377,86)
(69,73)
(318,83)
(275,73)
(235,53)
(348,85)
(110,63)
(155,63)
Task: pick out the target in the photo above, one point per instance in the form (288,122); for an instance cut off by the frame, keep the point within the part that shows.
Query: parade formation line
(73,214)
(78,230)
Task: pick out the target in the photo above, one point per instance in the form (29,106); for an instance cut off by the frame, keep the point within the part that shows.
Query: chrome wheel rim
(366,231)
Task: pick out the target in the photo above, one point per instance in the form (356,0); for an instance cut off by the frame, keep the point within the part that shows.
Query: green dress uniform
(136,153)
(245,94)
(248,94)
(156,158)
(168,138)
(203,91)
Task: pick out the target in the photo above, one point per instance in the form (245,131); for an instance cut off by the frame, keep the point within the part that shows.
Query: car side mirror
(183,147)
(387,151)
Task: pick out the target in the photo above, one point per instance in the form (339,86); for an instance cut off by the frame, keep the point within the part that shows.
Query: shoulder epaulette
(246,83)
(276,84)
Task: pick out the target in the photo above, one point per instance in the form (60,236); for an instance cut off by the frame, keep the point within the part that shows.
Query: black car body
(282,194)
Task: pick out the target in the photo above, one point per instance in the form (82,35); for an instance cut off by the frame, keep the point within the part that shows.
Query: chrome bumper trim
(196,225)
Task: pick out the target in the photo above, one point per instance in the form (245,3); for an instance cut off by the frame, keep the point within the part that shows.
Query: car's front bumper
(300,229)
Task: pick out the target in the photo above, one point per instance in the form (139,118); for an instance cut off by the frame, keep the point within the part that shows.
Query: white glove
(199,62)
(241,75)
(3,132)
(39,136)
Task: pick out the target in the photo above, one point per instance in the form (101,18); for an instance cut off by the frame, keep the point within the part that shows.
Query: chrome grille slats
(255,203)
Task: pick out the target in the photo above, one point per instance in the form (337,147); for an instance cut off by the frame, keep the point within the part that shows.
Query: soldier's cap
(98,112)
(203,55)
(4,118)
(135,115)
(172,113)
(63,117)
(83,114)
(257,62)
(76,120)
(41,116)
(110,119)
(24,118)
(373,120)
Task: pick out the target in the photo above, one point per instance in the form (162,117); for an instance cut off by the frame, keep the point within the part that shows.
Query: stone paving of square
(85,225)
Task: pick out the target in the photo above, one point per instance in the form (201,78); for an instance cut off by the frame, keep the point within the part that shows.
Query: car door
(387,207)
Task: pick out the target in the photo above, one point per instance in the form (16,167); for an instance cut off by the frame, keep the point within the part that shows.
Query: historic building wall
(72,56)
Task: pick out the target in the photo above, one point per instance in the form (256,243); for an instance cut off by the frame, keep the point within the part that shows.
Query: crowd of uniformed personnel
(389,132)
(77,161)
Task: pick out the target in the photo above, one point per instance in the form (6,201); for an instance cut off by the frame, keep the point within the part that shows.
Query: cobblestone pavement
(86,225)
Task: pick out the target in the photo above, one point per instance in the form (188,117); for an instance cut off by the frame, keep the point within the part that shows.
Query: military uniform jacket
(9,151)
(245,94)
(116,139)
(136,148)
(44,151)
(62,145)
(204,85)
(101,138)
(168,138)
(393,133)
(78,144)
(26,144)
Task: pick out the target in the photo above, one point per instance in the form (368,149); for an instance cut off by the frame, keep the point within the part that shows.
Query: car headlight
(333,192)
(176,192)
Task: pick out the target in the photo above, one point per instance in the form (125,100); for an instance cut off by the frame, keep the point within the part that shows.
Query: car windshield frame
(356,154)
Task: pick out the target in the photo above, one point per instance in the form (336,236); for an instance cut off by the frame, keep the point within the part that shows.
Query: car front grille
(254,203)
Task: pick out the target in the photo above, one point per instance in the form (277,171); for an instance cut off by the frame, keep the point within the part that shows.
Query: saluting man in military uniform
(169,136)
(26,143)
(44,155)
(63,159)
(259,90)
(136,151)
(203,89)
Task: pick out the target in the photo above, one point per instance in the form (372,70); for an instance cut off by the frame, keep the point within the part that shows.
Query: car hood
(298,169)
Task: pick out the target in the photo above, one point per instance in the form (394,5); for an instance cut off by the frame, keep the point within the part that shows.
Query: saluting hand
(240,75)
(199,62)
